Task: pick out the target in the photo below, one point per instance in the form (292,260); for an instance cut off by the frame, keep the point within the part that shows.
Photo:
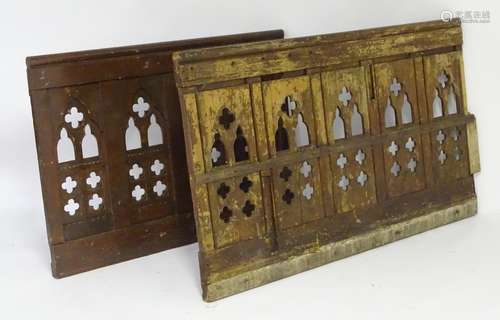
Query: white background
(451,272)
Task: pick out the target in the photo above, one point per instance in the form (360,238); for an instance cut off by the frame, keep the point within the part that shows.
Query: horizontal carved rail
(326,150)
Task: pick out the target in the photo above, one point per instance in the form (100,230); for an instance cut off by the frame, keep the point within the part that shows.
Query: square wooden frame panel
(111,151)
(307,150)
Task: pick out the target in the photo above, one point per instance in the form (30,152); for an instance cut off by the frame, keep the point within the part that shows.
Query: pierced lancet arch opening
(301,132)
(356,122)
(281,137)
(65,147)
(406,111)
(90,147)
(437,105)
(144,122)
(155,133)
(240,146)
(78,134)
(338,127)
(451,104)
(389,115)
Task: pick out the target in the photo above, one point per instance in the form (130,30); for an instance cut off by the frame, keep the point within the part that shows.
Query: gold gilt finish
(305,151)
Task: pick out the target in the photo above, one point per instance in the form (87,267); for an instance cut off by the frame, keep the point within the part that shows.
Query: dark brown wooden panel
(111,151)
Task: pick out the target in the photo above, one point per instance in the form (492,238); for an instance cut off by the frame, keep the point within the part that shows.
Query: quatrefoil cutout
(71,207)
(285,174)
(157,167)
(345,96)
(395,168)
(69,185)
(341,161)
(308,191)
(246,184)
(226,214)
(95,202)
(393,148)
(93,180)
(362,178)
(135,171)
(395,87)
(141,107)
(226,118)
(412,165)
(305,169)
(223,190)
(138,193)
(360,157)
(410,144)
(440,137)
(159,188)
(442,156)
(288,196)
(442,79)
(343,183)
(248,208)
(74,117)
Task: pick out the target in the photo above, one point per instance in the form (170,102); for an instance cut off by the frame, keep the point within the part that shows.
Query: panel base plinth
(334,251)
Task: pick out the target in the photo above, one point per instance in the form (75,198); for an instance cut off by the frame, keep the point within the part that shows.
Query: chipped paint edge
(339,250)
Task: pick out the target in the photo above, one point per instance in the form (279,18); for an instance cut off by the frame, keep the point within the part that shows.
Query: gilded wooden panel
(340,144)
